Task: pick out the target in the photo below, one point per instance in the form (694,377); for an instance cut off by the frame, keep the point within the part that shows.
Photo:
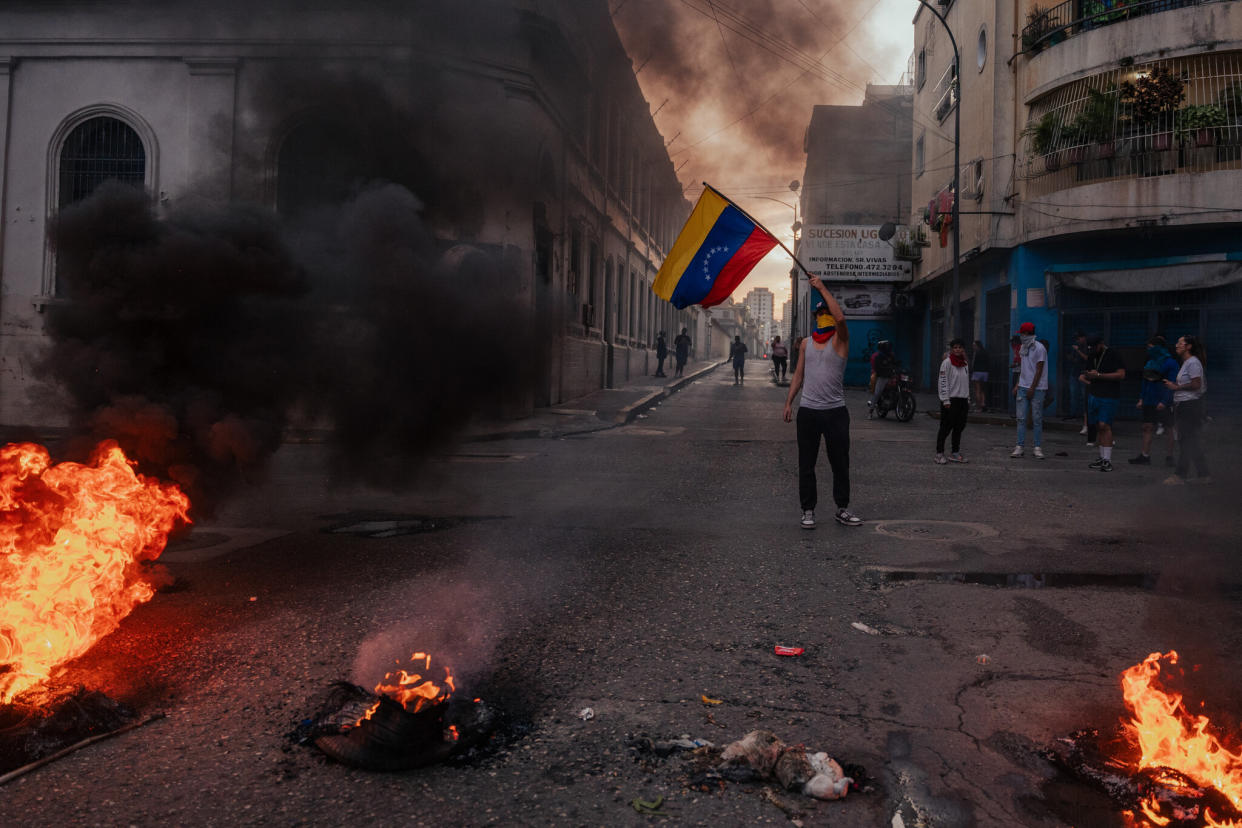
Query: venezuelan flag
(716,249)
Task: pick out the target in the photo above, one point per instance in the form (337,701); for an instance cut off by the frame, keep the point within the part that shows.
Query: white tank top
(823,377)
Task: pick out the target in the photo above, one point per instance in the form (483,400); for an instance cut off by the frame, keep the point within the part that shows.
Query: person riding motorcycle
(883,366)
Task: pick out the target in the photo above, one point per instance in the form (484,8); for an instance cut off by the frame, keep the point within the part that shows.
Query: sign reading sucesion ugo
(852,253)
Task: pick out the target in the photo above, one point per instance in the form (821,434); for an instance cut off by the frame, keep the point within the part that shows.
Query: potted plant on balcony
(1198,124)
(1151,102)
(1037,26)
(1042,138)
(1097,122)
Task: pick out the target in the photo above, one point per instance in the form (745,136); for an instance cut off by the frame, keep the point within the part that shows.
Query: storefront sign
(852,253)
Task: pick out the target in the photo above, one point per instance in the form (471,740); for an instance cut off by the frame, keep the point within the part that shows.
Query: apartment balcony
(1163,118)
(1046,28)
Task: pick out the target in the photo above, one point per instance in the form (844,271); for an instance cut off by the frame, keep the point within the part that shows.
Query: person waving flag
(715,250)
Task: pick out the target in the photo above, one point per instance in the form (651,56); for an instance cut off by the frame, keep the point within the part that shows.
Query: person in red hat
(1030,389)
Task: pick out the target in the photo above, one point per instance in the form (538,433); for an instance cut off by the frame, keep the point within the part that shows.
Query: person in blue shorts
(1104,374)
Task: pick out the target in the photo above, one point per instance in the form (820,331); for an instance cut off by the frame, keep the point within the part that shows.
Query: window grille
(1131,122)
(98,150)
(946,92)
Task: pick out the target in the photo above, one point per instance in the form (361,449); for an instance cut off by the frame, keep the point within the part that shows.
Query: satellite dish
(794,185)
(887,230)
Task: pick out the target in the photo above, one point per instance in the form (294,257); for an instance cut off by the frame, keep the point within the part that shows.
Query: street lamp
(795,227)
(957,171)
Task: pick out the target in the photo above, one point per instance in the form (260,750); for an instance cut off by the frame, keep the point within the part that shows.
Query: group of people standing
(681,349)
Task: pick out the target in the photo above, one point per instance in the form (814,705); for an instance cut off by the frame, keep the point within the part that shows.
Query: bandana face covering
(825,327)
(959,361)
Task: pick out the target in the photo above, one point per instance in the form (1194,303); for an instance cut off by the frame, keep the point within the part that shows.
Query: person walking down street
(780,359)
(822,413)
(882,366)
(737,353)
(1105,373)
(1188,390)
(1156,400)
(954,388)
(1075,364)
(661,354)
(681,348)
(979,375)
(1029,389)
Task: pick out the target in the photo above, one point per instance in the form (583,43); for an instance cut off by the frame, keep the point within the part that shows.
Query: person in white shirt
(954,388)
(1188,390)
(1030,389)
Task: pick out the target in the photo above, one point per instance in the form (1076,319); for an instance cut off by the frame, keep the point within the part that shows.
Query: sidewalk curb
(630,412)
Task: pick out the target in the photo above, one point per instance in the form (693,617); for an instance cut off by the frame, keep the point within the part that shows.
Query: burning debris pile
(1163,766)
(409,721)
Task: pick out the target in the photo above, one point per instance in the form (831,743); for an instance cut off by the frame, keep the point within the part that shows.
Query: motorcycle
(898,397)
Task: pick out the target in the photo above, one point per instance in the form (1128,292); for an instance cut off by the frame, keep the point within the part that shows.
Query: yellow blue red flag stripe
(712,255)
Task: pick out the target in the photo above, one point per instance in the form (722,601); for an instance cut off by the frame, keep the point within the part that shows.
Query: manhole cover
(934,530)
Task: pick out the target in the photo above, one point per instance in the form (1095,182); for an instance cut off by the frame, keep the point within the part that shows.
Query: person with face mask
(954,390)
(822,413)
(1030,388)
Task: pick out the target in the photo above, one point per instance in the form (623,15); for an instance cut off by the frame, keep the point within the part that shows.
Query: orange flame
(411,689)
(71,539)
(1170,737)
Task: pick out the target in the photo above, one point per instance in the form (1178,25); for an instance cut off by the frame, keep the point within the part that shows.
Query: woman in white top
(1188,391)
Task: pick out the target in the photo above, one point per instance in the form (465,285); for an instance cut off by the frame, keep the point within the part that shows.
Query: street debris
(757,757)
(645,807)
(815,774)
(586,714)
(861,627)
(706,700)
(781,650)
(983,658)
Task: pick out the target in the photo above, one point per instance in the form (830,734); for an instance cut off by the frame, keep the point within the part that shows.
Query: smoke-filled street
(647,572)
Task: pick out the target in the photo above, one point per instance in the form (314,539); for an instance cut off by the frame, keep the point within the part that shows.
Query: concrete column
(210,116)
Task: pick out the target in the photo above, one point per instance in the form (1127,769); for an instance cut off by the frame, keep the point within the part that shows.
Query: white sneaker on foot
(1083,430)
(808,519)
(1017,452)
(941,460)
(1038,453)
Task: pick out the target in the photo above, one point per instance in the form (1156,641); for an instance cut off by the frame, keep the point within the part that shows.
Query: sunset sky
(732,85)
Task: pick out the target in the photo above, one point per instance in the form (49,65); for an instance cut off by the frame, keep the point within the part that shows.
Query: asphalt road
(636,569)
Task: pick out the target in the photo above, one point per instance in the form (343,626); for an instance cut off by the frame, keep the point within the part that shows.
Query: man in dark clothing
(882,365)
(661,355)
(681,347)
(737,353)
(1104,374)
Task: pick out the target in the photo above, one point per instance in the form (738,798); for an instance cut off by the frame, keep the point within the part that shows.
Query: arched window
(97,150)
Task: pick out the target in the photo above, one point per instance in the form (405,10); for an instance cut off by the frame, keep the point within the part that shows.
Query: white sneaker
(1083,431)
(1017,452)
(1038,453)
(1160,430)
(941,460)
(808,519)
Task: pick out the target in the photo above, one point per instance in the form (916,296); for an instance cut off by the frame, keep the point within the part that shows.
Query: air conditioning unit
(971,178)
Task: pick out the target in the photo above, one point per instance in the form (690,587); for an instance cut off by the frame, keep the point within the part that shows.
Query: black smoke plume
(194,339)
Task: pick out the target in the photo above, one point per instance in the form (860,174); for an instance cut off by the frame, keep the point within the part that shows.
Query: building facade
(1101,152)
(523,133)
(858,179)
